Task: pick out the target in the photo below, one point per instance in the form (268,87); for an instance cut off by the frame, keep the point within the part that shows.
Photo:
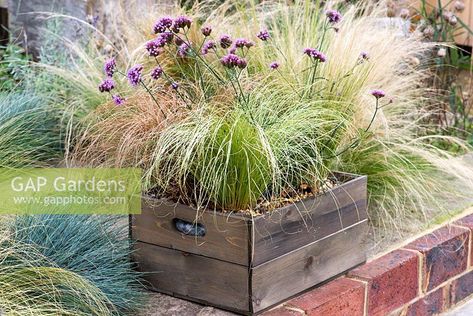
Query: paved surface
(164,305)
(465,309)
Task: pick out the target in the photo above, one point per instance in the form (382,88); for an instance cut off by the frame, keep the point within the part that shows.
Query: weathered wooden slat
(299,270)
(294,226)
(194,277)
(226,238)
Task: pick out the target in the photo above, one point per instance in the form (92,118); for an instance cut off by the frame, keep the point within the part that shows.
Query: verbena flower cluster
(232,60)
(134,75)
(109,67)
(263,35)
(333,16)
(162,25)
(206,31)
(208,46)
(157,73)
(172,38)
(225,41)
(378,94)
(315,54)
(107,85)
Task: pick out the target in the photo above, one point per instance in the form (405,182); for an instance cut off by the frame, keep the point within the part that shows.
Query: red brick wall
(425,277)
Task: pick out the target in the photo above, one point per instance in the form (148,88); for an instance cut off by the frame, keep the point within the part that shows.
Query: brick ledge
(427,276)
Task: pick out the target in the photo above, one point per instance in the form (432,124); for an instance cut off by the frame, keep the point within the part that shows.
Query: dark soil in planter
(264,205)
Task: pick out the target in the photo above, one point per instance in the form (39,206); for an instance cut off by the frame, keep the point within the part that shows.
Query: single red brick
(462,288)
(281,311)
(430,304)
(444,255)
(467,222)
(393,280)
(340,297)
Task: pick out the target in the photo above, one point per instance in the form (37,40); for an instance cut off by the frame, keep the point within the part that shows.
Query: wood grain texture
(297,225)
(227,236)
(285,276)
(194,277)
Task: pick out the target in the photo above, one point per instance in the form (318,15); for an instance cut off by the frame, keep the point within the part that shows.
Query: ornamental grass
(30,284)
(67,265)
(233,105)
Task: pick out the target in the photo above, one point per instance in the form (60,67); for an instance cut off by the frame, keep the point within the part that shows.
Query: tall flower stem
(170,80)
(237,79)
(201,59)
(229,75)
(199,72)
(152,96)
(290,84)
(312,79)
(357,141)
(314,69)
(148,91)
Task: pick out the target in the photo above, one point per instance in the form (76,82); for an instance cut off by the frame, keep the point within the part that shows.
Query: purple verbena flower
(229,60)
(163,39)
(183,50)
(274,65)
(232,50)
(243,42)
(242,63)
(315,54)
(333,16)
(378,94)
(107,85)
(175,85)
(321,57)
(153,48)
(225,41)
(157,73)
(118,99)
(167,37)
(134,75)
(181,23)
(109,67)
(162,24)
(208,46)
(160,41)
(310,51)
(232,60)
(206,30)
(263,35)
(364,56)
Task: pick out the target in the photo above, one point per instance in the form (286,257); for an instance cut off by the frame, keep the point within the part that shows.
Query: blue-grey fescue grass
(29,130)
(96,248)
(31,285)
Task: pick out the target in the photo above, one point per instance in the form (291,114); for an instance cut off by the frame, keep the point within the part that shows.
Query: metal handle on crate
(188,228)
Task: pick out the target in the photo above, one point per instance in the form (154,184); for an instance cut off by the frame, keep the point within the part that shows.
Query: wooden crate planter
(247,264)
